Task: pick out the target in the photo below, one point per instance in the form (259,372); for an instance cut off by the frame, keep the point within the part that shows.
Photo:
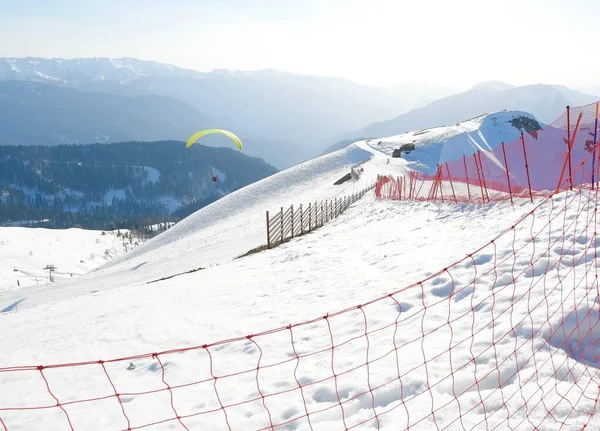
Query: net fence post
(451,185)
(507,174)
(594,153)
(526,165)
(479,177)
(569,146)
(483,176)
(467,177)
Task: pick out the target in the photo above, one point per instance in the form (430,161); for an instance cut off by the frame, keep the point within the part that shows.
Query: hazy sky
(380,42)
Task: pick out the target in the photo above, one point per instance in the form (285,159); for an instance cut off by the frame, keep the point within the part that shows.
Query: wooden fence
(287,224)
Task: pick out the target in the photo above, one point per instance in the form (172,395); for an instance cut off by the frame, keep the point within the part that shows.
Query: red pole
(399,188)
(414,187)
(526,165)
(433,190)
(436,183)
(571,142)
(451,185)
(467,177)
(598,170)
(507,175)
(420,187)
(479,178)
(483,176)
(569,146)
(441,183)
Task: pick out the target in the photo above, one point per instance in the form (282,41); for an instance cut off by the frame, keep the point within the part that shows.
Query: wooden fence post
(281,239)
(268,232)
(322,216)
(301,221)
(292,221)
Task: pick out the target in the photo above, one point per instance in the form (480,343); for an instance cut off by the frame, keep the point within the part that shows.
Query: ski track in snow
(374,248)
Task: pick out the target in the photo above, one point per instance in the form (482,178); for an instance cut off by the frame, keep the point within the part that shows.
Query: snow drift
(445,144)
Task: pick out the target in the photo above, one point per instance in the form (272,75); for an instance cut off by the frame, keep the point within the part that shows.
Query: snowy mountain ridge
(73,71)
(428,148)
(122,70)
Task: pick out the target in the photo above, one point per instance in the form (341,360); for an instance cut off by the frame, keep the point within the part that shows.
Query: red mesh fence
(505,338)
(558,156)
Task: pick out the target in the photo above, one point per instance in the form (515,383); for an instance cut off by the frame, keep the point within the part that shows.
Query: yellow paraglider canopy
(201,133)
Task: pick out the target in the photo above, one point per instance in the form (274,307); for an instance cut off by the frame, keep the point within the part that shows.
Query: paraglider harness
(214,178)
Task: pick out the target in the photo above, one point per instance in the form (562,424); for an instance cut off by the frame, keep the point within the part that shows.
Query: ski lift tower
(51,269)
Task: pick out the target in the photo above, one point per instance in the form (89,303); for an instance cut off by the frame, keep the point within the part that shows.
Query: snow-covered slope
(236,223)
(445,144)
(229,227)
(24,252)
(374,248)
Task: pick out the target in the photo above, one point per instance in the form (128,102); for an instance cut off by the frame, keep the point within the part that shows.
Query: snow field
(448,143)
(24,252)
(436,335)
(504,338)
(226,229)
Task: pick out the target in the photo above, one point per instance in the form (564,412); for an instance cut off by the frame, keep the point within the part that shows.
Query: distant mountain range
(35,113)
(283,118)
(546,102)
(287,117)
